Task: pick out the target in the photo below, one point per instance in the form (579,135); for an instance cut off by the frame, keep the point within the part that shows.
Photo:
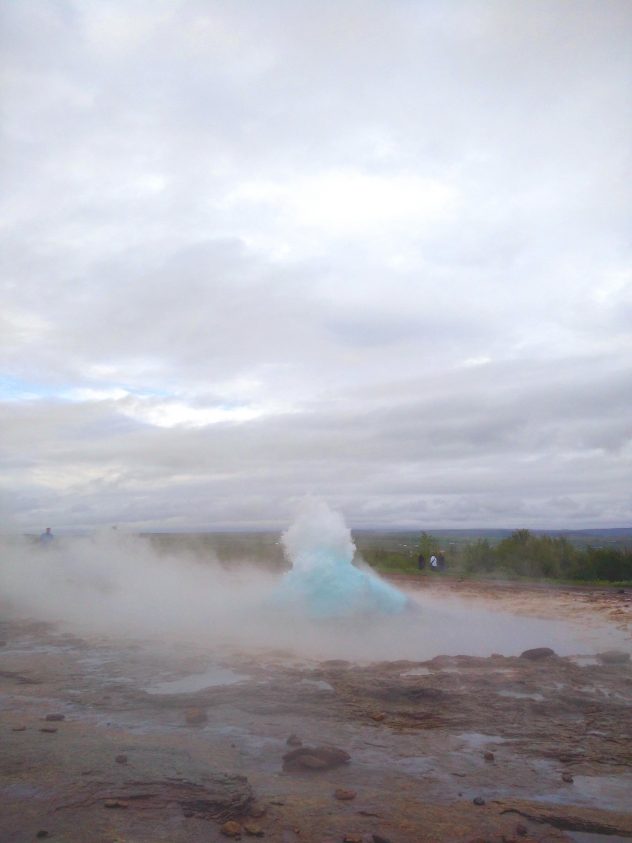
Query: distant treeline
(522,554)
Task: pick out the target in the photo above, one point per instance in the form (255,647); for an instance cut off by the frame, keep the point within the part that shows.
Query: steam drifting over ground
(324,607)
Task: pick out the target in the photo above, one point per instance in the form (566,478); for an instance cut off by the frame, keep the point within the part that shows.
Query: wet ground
(154,741)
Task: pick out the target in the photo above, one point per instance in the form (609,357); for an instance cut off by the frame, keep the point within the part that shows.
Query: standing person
(421,561)
(47,537)
(433,562)
(441,560)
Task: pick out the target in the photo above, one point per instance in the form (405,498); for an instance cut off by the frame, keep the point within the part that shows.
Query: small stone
(55,718)
(19,729)
(231,829)
(121,759)
(196,716)
(377,838)
(257,811)
(521,830)
(478,800)
(294,740)
(253,830)
(538,653)
(42,833)
(488,756)
(114,803)
(378,716)
(567,777)
(345,795)
(50,729)
(352,838)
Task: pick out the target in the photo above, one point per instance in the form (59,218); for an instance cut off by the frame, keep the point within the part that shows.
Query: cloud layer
(377,252)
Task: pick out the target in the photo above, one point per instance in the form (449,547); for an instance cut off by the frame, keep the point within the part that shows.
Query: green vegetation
(522,554)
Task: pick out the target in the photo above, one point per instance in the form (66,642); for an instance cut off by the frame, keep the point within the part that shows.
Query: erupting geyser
(323,582)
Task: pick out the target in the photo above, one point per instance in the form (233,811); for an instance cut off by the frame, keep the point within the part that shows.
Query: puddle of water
(584,661)
(516,695)
(476,740)
(213,677)
(318,684)
(418,671)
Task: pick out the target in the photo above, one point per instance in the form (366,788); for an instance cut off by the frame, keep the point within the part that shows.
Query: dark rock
(121,759)
(294,740)
(538,653)
(42,833)
(50,729)
(567,777)
(231,829)
(315,758)
(614,657)
(195,716)
(478,800)
(488,756)
(345,795)
(521,830)
(55,718)
(114,803)
(378,716)
(377,838)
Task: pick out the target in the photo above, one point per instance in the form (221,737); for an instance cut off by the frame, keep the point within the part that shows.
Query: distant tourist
(441,560)
(47,537)
(434,563)
(421,561)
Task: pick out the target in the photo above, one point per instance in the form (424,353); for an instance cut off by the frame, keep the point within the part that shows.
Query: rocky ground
(140,742)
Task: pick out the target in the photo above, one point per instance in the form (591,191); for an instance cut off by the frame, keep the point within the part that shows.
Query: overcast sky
(378,252)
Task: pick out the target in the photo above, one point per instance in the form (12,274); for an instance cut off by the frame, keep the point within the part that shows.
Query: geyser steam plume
(323,582)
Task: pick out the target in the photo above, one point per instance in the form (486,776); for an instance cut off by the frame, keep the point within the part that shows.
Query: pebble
(378,716)
(522,830)
(49,729)
(294,740)
(114,803)
(352,838)
(257,811)
(19,729)
(488,756)
(567,777)
(478,800)
(42,833)
(55,718)
(231,829)
(345,795)
(377,838)
(121,759)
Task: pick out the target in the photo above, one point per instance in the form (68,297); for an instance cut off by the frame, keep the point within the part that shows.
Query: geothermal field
(154,696)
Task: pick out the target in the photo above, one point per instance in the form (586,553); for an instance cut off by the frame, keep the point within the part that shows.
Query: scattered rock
(378,716)
(521,830)
(377,838)
(42,833)
(253,830)
(121,759)
(55,718)
(195,716)
(478,800)
(538,653)
(567,777)
(231,829)
(352,838)
(49,729)
(345,795)
(114,803)
(294,740)
(488,756)
(257,811)
(19,729)
(315,758)
(614,657)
